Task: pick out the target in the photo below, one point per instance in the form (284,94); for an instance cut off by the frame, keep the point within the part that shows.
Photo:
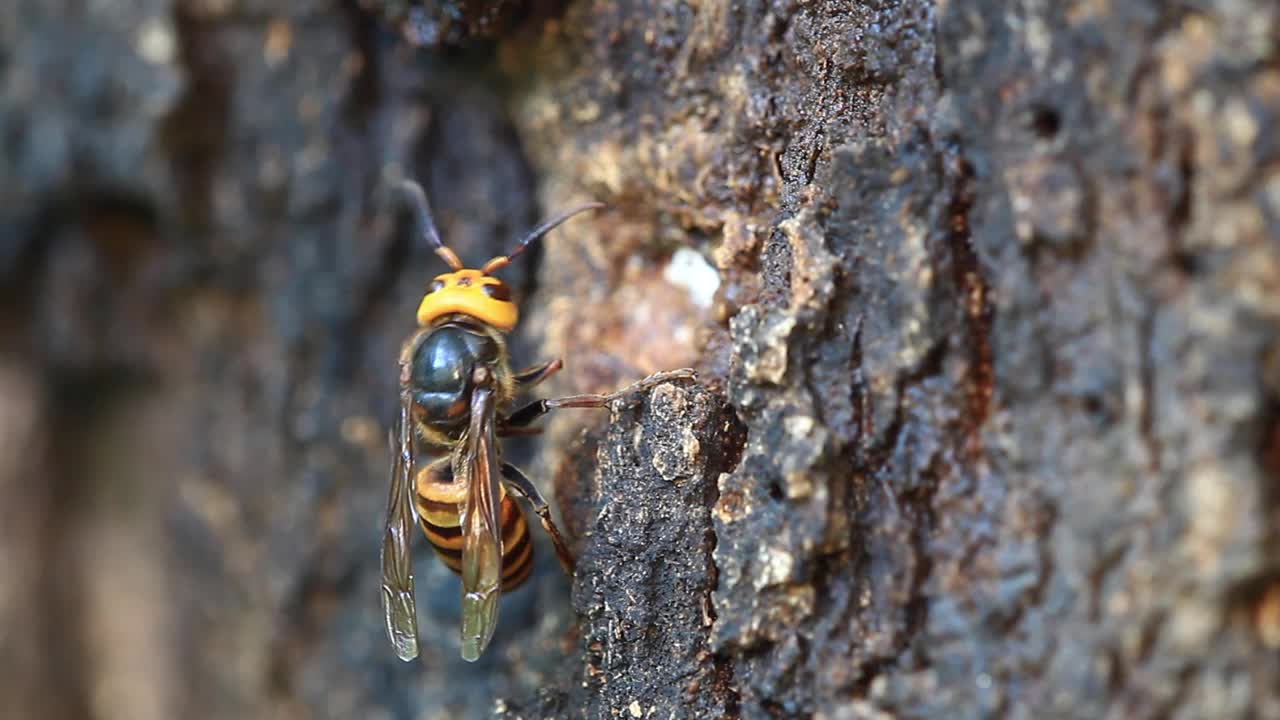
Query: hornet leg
(530,377)
(536,409)
(526,379)
(519,484)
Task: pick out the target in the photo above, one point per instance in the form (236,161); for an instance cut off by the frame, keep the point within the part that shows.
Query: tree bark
(983,297)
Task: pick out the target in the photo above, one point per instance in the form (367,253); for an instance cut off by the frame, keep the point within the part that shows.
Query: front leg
(519,484)
(536,409)
(531,377)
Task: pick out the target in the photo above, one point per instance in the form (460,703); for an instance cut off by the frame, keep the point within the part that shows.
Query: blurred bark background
(984,297)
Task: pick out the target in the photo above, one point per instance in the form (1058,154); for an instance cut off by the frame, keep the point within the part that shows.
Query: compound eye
(498,291)
(436,286)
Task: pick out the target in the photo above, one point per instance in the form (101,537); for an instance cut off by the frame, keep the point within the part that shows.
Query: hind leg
(517,482)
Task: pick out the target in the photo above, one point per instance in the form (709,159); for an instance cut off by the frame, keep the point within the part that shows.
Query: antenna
(502,261)
(416,199)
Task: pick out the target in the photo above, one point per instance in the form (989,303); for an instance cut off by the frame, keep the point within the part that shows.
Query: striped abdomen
(438,501)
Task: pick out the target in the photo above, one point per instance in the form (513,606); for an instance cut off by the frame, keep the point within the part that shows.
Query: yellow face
(472,293)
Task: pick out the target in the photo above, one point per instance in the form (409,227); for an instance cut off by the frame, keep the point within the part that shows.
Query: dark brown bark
(988,419)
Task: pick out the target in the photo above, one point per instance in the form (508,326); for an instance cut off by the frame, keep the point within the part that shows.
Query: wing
(482,532)
(398,605)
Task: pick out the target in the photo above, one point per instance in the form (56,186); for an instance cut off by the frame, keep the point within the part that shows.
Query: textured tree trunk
(983,296)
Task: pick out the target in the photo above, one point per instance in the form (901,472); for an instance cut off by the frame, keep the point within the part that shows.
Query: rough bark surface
(650,542)
(988,420)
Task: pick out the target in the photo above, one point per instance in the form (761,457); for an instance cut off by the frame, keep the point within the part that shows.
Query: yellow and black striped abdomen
(439,503)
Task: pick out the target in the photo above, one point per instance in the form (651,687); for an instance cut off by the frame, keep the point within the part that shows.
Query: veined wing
(398,604)
(482,532)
